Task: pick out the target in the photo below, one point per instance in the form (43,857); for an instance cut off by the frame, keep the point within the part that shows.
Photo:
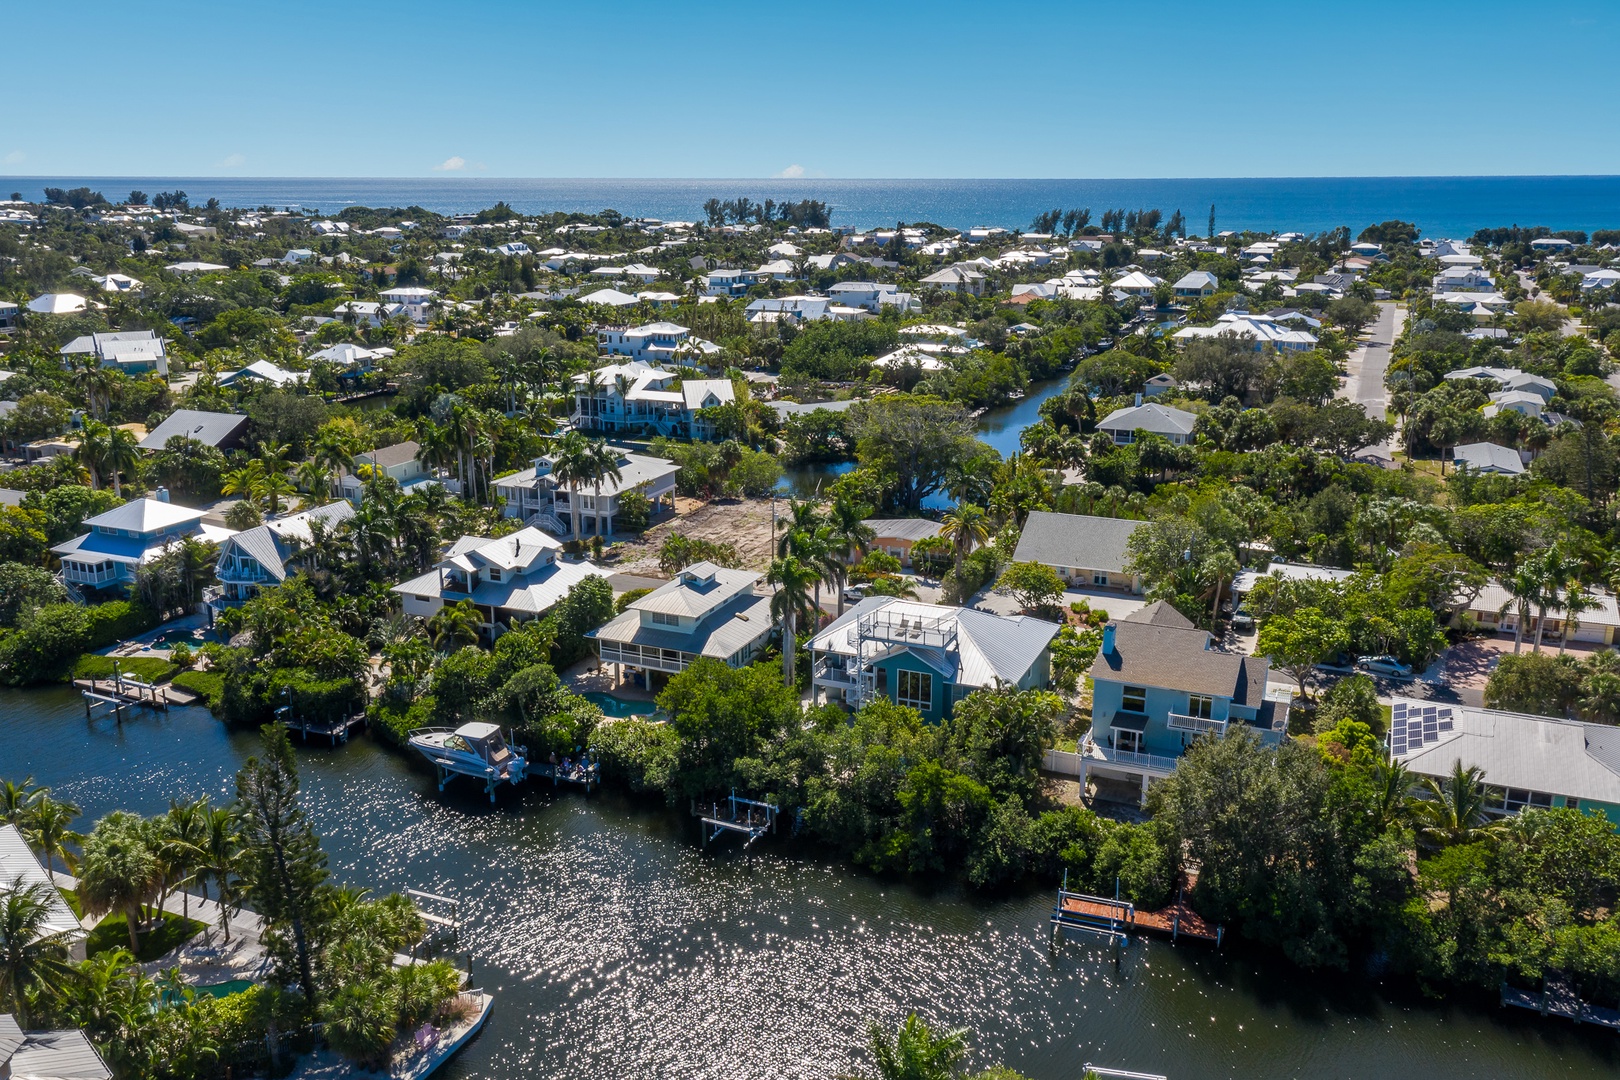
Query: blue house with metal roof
(927,656)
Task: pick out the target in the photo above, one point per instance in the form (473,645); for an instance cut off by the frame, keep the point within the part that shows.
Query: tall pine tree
(283,866)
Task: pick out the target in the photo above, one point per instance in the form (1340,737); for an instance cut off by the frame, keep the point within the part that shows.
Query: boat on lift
(474,749)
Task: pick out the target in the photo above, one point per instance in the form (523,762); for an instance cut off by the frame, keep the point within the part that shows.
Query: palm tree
(570,467)
(803,519)
(123,454)
(1221,566)
(591,387)
(794,581)
(17,801)
(221,855)
(602,463)
(94,440)
(119,871)
(1392,790)
(181,834)
(48,826)
(455,626)
(246,481)
(967,526)
(1523,587)
(1454,810)
(333,452)
(1576,601)
(847,534)
(33,956)
(97,384)
(916,1053)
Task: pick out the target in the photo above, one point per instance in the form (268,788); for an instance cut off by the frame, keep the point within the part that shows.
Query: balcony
(1198,725)
(1134,760)
(836,675)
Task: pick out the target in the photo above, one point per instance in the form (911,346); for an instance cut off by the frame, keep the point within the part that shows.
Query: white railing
(1199,724)
(827,673)
(886,624)
(1136,759)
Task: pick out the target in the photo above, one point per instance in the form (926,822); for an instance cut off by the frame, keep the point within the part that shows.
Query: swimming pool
(617,706)
(225,989)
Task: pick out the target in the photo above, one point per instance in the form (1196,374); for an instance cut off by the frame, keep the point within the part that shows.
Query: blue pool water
(616,706)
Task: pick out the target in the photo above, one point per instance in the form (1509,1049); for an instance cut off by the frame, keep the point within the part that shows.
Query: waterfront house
(1136,284)
(706,610)
(354,358)
(1260,330)
(20,867)
(133,352)
(125,537)
(1196,284)
(1526,761)
(263,371)
(533,495)
(642,398)
(927,656)
(398,462)
(1173,424)
(1087,552)
(510,579)
(222,431)
(1551,243)
(1158,683)
(894,536)
(270,553)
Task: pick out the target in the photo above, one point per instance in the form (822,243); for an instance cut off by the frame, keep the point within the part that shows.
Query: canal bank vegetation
(332,976)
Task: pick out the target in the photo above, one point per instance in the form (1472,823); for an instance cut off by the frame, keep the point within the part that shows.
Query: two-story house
(1087,552)
(398,462)
(653,343)
(133,352)
(414,301)
(642,398)
(706,610)
(870,296)
(927,656)
(268,554)
(125,537)
(533,495)
(510,579)
(1158,683)
(727,282)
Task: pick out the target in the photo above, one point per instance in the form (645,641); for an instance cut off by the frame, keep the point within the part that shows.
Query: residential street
(1366,365)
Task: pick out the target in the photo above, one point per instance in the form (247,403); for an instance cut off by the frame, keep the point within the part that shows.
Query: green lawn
(206,684)
(113,933)
(152,669)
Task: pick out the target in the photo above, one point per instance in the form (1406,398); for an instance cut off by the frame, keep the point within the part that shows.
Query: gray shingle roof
(1160,613)
(1159,419)
(1075,540)
(1173,658)
(389,456)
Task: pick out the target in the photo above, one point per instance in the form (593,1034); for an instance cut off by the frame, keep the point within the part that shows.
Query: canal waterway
(617,947)
(1000,428)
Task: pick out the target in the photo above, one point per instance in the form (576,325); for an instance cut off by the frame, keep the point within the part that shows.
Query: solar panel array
(1413,726)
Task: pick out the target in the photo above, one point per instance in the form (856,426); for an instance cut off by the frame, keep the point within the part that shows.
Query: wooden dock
(1559,999)
(587,774)
(1119,919)
(335,730)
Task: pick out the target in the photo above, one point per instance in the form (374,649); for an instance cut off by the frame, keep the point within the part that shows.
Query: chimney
(161,494)
(1108,639)
(1139,400)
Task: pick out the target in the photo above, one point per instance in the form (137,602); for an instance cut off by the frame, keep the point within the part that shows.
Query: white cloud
(451,164)
(231,161)
(792,172)
(16,157)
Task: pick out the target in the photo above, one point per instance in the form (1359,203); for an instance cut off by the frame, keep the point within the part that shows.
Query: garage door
(1590,632)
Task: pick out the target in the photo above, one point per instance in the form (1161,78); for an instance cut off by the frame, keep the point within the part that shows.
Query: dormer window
(494,573)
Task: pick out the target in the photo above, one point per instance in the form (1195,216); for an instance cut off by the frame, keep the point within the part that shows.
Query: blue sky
(942,89)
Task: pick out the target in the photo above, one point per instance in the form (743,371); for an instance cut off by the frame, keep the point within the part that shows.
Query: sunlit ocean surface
(1441,206)
(617,947)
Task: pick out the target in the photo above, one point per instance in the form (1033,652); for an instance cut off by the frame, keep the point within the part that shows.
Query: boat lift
(1111,920)
(750,817)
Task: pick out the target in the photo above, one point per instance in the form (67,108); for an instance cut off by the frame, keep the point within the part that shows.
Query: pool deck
(590,677)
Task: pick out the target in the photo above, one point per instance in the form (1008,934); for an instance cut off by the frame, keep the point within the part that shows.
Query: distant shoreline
(1440,205)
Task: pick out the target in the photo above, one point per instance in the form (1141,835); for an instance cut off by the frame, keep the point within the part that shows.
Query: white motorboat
(475,749)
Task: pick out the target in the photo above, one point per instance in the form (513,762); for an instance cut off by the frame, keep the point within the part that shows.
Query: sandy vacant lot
(743,523)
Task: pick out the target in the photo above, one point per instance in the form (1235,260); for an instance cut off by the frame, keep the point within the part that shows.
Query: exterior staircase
(548,520)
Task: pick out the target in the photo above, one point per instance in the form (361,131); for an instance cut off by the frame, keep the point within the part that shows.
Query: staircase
(548,520)
(72,590)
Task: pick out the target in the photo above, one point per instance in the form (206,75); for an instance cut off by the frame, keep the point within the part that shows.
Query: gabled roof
(1160,613)
(389,456)
(1077,540)
(1177,658)
(1489,456)
(19,863)
(694,391)
(989,647)
(697,590)
(912,529)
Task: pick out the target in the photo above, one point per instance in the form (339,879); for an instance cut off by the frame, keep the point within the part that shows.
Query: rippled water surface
(616,947)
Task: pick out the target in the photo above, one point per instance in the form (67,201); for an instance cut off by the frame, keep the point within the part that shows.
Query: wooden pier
(119,693)
(749,817)
(1560,999)
(1116,920)
(335,730)
(584,772)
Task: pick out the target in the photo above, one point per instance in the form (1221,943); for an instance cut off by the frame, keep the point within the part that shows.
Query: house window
(666,618)
(1099,579)
(1128,741)
(1201,706)
(1133,699)
(1572,802)
(1512,800)
(494,574)
(914,688)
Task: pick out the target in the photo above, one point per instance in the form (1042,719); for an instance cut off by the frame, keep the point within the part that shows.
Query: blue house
(927,656)
(1157,684)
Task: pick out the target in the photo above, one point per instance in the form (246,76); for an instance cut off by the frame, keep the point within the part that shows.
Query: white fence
(1061,762)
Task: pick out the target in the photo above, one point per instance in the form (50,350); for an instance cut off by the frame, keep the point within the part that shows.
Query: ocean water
(1441,206)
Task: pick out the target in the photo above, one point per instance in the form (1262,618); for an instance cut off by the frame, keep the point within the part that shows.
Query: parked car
(854,594)
(1384,665)
(1242,620)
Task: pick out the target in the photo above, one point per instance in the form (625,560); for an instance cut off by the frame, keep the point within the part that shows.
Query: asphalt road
(1365,368)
